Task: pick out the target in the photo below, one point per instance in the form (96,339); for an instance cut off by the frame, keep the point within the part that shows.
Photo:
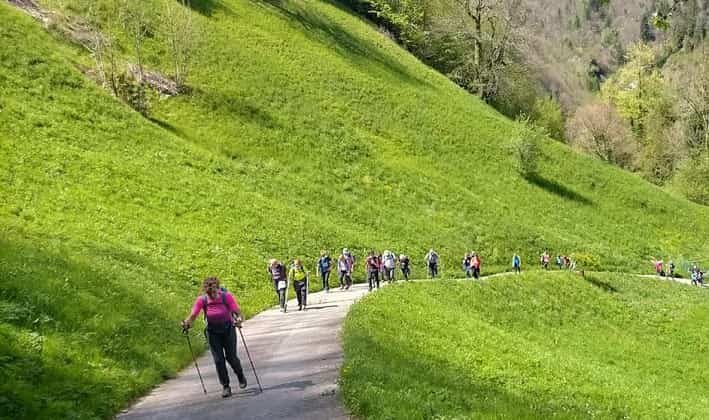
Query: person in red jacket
(476,263)
(372,264)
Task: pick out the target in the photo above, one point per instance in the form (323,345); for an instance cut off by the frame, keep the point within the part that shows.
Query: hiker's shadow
(299,385)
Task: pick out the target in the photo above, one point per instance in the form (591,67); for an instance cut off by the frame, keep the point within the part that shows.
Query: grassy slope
(535,346)
(306,129)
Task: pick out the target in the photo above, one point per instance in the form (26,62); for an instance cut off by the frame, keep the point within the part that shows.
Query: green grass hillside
(305,129)
(533,346)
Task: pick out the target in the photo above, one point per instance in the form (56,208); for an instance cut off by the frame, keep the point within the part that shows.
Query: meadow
(306,128)
(537,345)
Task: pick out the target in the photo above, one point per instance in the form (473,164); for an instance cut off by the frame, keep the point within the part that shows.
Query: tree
(134,19)
(494,28)
(547,113)
(181,36)
(527,146)
(598,130)
(637,88)
(694,104)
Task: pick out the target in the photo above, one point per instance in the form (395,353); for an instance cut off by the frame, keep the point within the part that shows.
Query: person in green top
(299,276)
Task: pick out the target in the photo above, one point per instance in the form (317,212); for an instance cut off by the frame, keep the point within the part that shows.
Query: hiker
(404,266)
(567,261)
(345,269)
(476,263)
(278,274)
(671,266)
(389,264)
(372,266)
(467,264)
(697,277)
(432,263)
(324,267)
(544,260)
(658,268)
(559,262)
(516,264)
(299,276)
(222,315)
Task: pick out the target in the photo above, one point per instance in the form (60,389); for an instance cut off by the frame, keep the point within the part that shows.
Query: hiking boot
(243,384)
(300,307)
(226,392)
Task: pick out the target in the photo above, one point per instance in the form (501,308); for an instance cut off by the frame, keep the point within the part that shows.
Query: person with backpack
(222,315)
(432,263)
(516,264)
(467,265)
(299,276)
(372,265)
(659,268)
(277,271)
(344,269)
(671,267)
(324,268)
(476,264)
(389,263)
(559,262)
(544,260)
(404,266)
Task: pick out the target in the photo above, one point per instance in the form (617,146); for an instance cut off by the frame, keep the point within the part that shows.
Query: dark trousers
(433,269)
(281,294)
(476,272)
(325,280)
(373,279)
(389,274)
(345,279)
(301,292)
(222,344)
(517,268)
(405,272)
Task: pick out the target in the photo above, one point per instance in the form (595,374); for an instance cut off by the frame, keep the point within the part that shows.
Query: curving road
(297,356)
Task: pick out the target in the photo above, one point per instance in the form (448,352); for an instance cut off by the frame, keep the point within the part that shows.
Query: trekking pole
(253,368)
(185,332)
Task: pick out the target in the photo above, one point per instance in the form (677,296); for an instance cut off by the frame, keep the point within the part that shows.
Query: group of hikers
(377,266)
(696,274)
(223,315)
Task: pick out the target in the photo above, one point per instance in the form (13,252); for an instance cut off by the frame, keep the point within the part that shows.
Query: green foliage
(528,146)
(547,114)
(691,179)
(637,88)
(133,93)
(313,137)
(527,347)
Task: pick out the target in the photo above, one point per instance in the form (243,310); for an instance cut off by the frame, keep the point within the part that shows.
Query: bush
(133,93)
(528,147)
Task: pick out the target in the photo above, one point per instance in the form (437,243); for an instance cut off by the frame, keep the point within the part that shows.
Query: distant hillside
(303,128)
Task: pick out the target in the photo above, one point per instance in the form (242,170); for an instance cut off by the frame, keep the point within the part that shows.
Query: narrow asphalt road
(297,356)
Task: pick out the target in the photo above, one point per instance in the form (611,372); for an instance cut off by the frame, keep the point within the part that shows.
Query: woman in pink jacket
(222,314)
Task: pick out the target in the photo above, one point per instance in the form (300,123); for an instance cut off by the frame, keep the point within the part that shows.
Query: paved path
(297,356)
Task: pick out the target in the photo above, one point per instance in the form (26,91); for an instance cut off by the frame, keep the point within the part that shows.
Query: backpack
(299,274)
(389,261)
(205,301)
(433,258)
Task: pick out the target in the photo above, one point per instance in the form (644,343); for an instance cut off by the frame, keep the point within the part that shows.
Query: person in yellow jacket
(299,276)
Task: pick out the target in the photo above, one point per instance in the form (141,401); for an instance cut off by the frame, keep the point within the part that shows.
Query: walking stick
(253,368)
(185,332)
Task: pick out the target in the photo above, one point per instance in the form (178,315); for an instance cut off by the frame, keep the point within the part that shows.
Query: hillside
(305,129)
(528,347)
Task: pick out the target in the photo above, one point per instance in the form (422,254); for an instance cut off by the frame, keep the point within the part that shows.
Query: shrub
(692,179)
(547,113)
(528,146)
